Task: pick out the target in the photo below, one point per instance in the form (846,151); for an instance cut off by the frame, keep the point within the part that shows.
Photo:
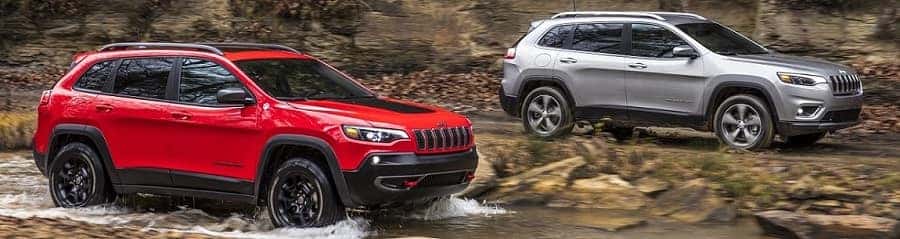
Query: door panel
(595,69)
(132,119)
(212,142)
(657,82)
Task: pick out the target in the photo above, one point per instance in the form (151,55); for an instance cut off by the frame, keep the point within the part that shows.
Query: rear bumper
(384,183)
(41,161)
(510,104)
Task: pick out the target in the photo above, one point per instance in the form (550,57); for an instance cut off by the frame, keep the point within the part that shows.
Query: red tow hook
(411,183)
(470,176)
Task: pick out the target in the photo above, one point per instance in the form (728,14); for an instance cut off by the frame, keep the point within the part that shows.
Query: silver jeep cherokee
(672,69)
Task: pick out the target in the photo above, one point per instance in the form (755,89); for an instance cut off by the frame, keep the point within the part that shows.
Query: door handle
(181,116)
(104,108)
(637,65)
(568,60)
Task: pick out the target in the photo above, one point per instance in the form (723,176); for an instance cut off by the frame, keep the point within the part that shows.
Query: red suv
(258,123)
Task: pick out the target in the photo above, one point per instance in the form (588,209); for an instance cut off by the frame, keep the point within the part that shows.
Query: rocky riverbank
(683,175)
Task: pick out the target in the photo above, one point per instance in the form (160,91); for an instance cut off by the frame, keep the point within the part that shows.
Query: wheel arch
(63,134)
(272,156)
(726,89)
(531,83)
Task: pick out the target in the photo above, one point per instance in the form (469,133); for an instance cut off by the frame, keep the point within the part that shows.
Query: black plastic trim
(309,141)
(711,102)
(209,182)
(509,104)
(95,135)
(364,182)
(792,128)
(41,161)
(146,176)
(237,197)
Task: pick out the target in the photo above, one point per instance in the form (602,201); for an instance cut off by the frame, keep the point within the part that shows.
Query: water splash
(456,207)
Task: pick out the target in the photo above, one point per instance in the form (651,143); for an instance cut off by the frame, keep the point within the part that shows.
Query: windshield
(294,79)
(720,39)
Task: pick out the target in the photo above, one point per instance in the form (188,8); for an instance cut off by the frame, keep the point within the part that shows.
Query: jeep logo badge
(442,124)
(842,71)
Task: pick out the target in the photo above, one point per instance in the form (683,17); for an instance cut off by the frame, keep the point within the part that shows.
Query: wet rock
(785,224)
(609,223)
(605,191)
(694,201)
(652,186)
(536,185)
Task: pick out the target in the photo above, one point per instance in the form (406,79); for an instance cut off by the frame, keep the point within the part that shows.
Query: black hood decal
(387,105)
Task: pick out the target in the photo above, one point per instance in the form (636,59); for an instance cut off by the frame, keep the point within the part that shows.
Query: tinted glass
(96,77)
(146,77)
(290,79)
(556,37)
(653,41)
(598,37)
(720,40)
(201,80)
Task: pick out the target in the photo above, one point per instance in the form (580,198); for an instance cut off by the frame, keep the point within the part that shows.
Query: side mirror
(685,51)
(234,96)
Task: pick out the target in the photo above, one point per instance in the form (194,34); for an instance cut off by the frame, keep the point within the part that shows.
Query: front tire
(300,195)
(77,178)
(804,140)
(744,122)
(546,113)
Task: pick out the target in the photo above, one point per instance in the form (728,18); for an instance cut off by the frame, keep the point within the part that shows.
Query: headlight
(801,79)
(377,135)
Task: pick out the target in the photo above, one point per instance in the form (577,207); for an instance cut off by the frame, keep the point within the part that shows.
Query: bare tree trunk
(885,27)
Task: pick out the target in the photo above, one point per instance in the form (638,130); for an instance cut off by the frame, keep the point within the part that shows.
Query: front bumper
(41,161)
(388,181)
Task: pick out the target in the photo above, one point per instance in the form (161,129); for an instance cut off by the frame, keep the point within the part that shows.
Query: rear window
(145,77)
(95,78)
(556,37)
(292,79)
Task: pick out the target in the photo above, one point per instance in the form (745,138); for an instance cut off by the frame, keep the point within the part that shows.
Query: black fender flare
(337,175)
(710,105)
(92,133)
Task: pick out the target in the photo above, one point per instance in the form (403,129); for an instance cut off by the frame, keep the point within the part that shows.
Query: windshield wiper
(726,53)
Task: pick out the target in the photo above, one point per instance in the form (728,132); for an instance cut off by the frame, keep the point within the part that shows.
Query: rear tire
(77,178)
(546,113)
(804,140)
(300,195)
(744,122)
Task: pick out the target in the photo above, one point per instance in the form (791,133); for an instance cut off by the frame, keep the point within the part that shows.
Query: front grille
(443,179)
(848,84)
(441,139)
(840,116)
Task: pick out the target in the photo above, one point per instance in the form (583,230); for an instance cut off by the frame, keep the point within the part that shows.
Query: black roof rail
(159,45)
(242,45)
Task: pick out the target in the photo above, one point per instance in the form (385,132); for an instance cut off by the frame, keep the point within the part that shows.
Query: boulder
(694,201)
(785,224)
(652,186)
(535,186)
(605,191)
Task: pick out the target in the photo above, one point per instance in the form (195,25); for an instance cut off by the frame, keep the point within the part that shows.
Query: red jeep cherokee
(258,123)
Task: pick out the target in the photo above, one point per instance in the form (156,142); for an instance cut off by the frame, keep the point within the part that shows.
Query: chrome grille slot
(441,139)
(848,84)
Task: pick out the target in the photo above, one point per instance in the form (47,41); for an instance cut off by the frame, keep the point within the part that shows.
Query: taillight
(510,53)
(45,97)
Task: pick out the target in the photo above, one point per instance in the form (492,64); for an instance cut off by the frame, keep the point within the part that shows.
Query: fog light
(807,111)
(376,160)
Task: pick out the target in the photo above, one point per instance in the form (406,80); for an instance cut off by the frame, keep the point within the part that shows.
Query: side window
(653,41)
(144,77)
(556,37)
(202,79)
(598,37)
(95,78)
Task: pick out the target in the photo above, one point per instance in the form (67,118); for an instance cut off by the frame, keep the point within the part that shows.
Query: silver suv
(672,69)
